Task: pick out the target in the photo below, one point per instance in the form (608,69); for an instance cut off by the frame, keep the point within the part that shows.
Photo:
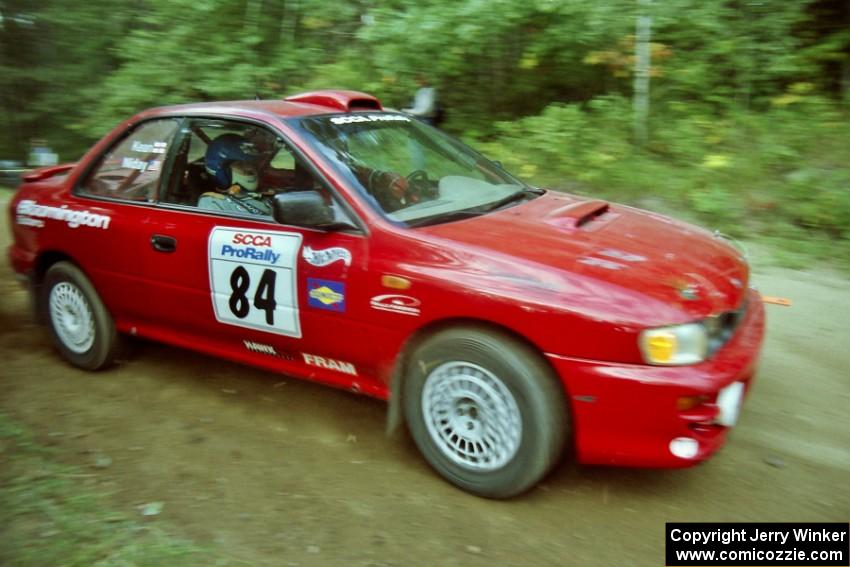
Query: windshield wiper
(513,197)
(445,217)
(476,211)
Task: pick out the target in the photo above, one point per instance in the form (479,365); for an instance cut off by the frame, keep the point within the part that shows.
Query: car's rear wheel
(485,411)
(81,327)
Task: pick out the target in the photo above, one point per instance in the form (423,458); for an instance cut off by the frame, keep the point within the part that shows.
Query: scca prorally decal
(256,247)
(329,363)
(326,256)
(253,281)
(396,304)
(355,118)
(28,213)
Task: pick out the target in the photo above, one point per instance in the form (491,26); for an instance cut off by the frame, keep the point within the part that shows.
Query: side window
(131,169)
(236,167)
(220,166)
(283,159)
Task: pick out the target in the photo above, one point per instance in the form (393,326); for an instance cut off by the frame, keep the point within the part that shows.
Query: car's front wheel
(485,411)
(81,327)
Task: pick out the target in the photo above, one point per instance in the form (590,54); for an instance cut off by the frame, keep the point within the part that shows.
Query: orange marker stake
(776,300)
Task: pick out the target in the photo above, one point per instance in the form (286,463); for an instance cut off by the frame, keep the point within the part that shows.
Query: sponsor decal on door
(327,256)
(330,363)
(394,303)
(326,294)
(253,279)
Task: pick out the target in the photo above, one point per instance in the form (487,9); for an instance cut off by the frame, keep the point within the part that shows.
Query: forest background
(748,122)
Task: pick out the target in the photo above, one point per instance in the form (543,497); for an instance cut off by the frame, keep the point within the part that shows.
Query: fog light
(684,447)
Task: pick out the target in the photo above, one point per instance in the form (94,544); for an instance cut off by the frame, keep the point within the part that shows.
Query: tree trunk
(845,64)
(250,22)
(640,102)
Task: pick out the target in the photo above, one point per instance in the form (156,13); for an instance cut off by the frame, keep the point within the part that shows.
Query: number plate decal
(253,279)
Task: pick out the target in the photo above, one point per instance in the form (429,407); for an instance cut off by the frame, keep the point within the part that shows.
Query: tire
(457,383)
(80,326)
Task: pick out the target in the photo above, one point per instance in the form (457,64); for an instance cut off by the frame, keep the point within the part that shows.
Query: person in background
(425,102)
(41,155)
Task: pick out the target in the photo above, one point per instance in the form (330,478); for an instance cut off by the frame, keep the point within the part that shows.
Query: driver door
(282,296)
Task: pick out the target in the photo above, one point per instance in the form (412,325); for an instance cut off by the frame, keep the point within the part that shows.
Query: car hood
(670,261)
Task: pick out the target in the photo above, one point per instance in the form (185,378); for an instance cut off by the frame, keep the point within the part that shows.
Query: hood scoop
(578,215)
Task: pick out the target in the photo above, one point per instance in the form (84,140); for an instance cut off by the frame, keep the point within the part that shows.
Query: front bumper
(628,414)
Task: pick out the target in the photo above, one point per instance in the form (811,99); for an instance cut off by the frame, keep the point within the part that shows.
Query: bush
(742,172)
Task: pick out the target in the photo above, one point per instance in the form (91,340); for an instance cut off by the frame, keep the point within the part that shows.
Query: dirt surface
(271,470)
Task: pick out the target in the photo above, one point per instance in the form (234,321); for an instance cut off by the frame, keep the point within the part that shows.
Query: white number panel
(253,279)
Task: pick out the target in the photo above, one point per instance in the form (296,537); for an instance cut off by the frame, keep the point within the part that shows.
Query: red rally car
(323,237)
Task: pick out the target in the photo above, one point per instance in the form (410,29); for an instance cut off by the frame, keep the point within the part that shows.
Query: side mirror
(302,208)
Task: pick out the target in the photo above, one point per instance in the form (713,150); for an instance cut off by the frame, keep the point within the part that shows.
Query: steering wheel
(395,191)
(417,176)
(419,187)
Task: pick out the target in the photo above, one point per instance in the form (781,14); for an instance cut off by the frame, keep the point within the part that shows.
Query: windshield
(411,172)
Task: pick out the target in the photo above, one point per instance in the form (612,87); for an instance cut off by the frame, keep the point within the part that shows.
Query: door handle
(162,243)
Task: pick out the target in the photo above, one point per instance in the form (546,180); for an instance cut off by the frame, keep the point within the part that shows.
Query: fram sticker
(326,294)
(326,256)
(329,363)
(397,304)
(29,212)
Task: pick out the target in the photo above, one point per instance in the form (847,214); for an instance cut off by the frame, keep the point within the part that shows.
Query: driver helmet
(231,159)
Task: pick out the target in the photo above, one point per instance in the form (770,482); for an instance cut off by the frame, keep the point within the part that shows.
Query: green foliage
(740,172)
(820,199)
(51,58)
(731,54)
(497,58)
(747,127)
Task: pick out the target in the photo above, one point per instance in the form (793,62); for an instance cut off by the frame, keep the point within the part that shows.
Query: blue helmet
(222,152)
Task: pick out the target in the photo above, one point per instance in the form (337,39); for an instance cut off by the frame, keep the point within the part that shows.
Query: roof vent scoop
(578,214)
(589,211)
(346,101)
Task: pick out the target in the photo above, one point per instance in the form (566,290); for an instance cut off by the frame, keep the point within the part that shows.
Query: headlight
(678,344)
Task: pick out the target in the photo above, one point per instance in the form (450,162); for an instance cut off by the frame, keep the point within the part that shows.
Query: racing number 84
(264,300)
